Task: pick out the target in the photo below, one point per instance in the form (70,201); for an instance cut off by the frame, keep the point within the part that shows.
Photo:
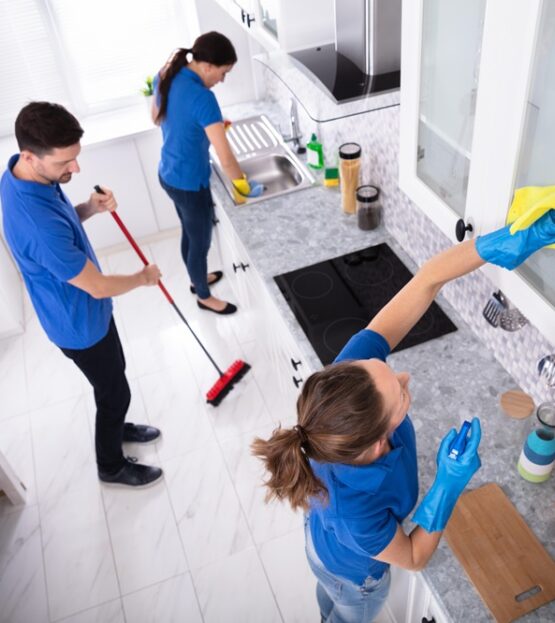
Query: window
(89,55)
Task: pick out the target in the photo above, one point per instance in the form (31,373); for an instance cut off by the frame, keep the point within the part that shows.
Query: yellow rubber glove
(241,189)
(530,203)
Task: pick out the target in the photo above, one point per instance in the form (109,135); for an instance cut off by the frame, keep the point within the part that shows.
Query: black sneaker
(140,433)
(133,474)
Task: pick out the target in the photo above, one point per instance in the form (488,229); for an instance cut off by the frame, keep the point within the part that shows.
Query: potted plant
(148,91)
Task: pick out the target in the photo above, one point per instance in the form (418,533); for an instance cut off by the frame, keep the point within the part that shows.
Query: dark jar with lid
(369,208)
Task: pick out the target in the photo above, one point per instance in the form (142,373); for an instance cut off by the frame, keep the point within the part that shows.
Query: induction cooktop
(334,299)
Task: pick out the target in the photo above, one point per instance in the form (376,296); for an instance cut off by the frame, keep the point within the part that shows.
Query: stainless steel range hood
(368,33)
(366,55)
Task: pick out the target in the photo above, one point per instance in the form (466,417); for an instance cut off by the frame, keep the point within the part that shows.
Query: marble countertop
(454,377)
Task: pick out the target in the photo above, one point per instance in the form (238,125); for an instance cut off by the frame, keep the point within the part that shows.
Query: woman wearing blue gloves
(350,462)
(191,120)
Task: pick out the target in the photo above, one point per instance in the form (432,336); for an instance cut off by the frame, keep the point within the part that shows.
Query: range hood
(366,56)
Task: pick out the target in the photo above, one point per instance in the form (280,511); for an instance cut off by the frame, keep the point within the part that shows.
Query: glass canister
(349,171)
(537,458)
(369,207)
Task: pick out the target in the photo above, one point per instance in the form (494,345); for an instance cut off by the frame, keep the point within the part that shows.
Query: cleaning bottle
(314,153)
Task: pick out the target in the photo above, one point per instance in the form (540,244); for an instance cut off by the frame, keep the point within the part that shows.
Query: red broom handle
(139,253)
(129,237)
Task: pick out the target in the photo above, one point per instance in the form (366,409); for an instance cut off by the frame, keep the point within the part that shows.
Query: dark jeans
(104,366)
(195,209)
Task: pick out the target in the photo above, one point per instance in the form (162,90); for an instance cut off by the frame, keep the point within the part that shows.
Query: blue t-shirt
(50,247)
(366,502)
(192,107)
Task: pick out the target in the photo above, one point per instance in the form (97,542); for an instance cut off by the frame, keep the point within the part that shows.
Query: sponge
(529,204)
(331,176)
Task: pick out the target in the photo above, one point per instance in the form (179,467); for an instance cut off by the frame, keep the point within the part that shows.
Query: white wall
(239,84)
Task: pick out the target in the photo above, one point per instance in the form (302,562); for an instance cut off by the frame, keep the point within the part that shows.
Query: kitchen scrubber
(529,204)
(331,176)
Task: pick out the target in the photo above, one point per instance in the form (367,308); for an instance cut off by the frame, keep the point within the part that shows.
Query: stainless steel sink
(265,158)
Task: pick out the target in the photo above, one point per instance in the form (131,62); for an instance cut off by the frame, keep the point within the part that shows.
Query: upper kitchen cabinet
(477,122)
(441,49)
(284,24)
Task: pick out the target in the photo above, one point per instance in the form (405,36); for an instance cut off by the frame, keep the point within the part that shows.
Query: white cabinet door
(283,24)
(476,123)
(532,286)
(245,282)
(148,146)
(399,592)
(410,599)
(117,166)
(11,295)
(258,320)
(441,49)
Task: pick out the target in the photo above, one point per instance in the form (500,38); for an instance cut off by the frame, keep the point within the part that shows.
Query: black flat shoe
(228,309)
(133,474)
(140,433)
(217,273)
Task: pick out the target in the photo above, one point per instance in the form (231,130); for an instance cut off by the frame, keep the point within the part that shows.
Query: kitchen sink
(264,157)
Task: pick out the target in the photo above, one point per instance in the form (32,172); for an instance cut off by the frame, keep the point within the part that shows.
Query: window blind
(110,46)
(28,66)
(89,55)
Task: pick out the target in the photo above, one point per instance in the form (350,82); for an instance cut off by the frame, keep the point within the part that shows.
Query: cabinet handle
(215,220)
(297,381)
(241,266)
(296,364)
(247,17)
(425,620)
(461,229)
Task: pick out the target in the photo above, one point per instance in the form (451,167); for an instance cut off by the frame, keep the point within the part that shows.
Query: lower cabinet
(261,322)
(11,295)
(411,600)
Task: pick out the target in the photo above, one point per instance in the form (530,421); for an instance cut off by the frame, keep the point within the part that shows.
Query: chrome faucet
(295,136)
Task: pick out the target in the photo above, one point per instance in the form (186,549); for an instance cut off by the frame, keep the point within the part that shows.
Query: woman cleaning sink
(190,117)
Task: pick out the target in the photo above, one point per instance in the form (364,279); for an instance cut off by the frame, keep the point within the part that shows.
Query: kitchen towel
(529,204)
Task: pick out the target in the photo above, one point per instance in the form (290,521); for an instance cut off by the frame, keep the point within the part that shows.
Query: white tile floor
(201,545)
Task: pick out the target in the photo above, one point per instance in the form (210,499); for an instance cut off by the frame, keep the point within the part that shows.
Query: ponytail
(177,61)
(291,477)
(212,47)
(341,415)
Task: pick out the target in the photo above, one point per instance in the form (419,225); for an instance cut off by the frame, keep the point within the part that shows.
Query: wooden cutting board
(504,560)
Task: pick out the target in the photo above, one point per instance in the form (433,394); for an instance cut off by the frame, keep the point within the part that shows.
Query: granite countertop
(453,377)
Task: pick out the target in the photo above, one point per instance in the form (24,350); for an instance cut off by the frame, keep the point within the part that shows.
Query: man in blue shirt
(70,294)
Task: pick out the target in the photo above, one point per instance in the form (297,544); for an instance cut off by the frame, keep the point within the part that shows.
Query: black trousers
(104,366)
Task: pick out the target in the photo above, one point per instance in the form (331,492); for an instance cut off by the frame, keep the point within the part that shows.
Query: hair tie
(301,433)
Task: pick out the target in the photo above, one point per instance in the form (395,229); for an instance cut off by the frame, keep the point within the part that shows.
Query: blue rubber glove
(452,477)
(256,189)
(510,250)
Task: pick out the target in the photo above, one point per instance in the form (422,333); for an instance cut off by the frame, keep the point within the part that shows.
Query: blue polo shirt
(366,502)
(50,247)
(191,107)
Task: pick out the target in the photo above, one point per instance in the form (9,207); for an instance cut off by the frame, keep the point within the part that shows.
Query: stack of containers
(537,458)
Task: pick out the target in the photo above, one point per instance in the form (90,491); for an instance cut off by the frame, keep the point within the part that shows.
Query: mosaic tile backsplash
(378,134)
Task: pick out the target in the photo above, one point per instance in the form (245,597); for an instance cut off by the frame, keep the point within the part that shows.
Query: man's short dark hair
(40,127)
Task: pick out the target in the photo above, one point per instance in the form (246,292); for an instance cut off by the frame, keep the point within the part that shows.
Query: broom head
(225,383)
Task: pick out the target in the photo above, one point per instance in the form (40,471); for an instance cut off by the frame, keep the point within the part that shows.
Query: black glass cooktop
(334,299)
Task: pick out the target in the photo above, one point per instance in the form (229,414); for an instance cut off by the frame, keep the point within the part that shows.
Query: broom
(236,370)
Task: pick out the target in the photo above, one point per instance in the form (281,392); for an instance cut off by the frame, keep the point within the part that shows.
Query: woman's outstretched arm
(406,308)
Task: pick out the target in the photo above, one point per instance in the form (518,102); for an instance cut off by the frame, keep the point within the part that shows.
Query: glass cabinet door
(450,62)
(536,163)
(268,15)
